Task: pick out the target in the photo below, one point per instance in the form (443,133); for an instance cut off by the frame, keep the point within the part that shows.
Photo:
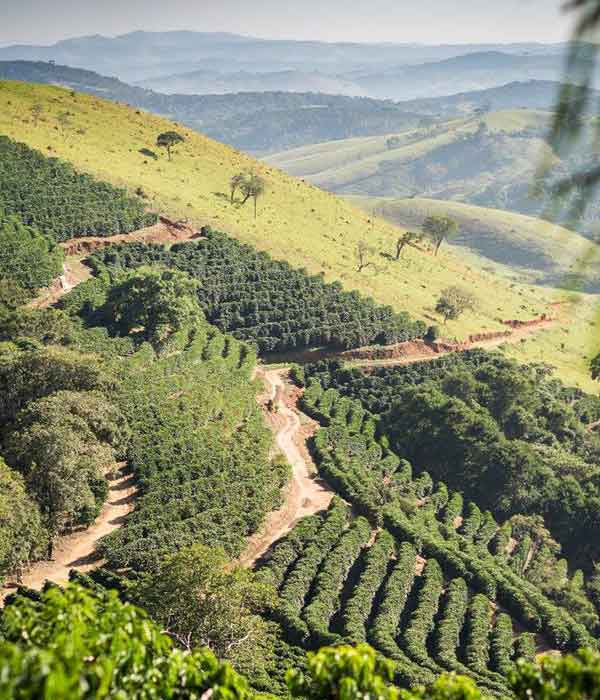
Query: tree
(26,256)
(168,140)
(36,112)
(235,184)
(22,537)
(344,672)
(63,444)
(362,253)
(12,295)
(201,600)
(439,229)
(252,186)
(64,122)
(359,673)
(155,303)
(575,677)
(407,238)
(32,375)
(453,302)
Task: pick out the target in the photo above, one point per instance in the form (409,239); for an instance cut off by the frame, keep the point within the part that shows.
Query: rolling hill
(203,82)
(296,221)
(397,164)
(471,71)
(534,250)
(520,94)
(258,122)
(489,160)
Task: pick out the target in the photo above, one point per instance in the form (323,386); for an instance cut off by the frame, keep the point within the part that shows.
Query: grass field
(529,249)
(349,165)
(296,221)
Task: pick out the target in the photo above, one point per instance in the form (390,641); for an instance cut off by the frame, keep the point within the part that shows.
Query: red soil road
(305,494)
(78,550)
(77,249)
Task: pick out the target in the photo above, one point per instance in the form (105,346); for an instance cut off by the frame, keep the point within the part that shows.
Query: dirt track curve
(305,494)
(78,550)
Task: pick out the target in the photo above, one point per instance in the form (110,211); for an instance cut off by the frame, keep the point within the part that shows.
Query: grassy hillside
(252,121)
(490,160)
(536,251)
(372,165)
(296,221)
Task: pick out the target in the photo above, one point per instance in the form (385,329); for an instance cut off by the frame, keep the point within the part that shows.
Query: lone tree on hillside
(252,187)
(453,302)
(235,184)
(408,238)
(439,229)
(362,253)
(64,122)
(168,140)
(36,112)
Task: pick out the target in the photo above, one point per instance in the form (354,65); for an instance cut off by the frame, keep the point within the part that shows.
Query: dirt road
(306,494)
(487,344)
(78,550)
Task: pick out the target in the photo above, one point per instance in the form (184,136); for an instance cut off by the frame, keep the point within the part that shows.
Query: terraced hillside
(430,580)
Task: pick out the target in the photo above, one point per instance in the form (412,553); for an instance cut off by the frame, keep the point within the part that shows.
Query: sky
(403,21)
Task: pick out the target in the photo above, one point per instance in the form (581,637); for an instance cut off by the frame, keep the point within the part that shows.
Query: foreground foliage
(79,645)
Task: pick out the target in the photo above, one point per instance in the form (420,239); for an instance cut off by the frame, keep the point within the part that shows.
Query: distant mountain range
(192,62)
(258,122)
(204,82)
(475,71)
(263,122)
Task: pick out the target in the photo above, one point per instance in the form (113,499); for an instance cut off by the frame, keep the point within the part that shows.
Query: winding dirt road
(305,494)
(78,550)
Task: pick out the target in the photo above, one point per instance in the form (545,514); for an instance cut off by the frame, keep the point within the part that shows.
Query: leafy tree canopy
(153,302)
(168,140)
(202,601)
(439,229)
(27,258)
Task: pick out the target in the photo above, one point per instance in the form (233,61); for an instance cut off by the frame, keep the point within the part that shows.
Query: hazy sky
(423,21)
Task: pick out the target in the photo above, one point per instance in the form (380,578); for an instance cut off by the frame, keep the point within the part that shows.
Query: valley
(299,362)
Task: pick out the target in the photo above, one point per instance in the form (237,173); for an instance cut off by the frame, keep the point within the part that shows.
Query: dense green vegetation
(252,296)
(49,194)
(27,258)
(62,434)
(196,429)
(430,608)
(182,413)
(91,646)
(81,645)
(513,439)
